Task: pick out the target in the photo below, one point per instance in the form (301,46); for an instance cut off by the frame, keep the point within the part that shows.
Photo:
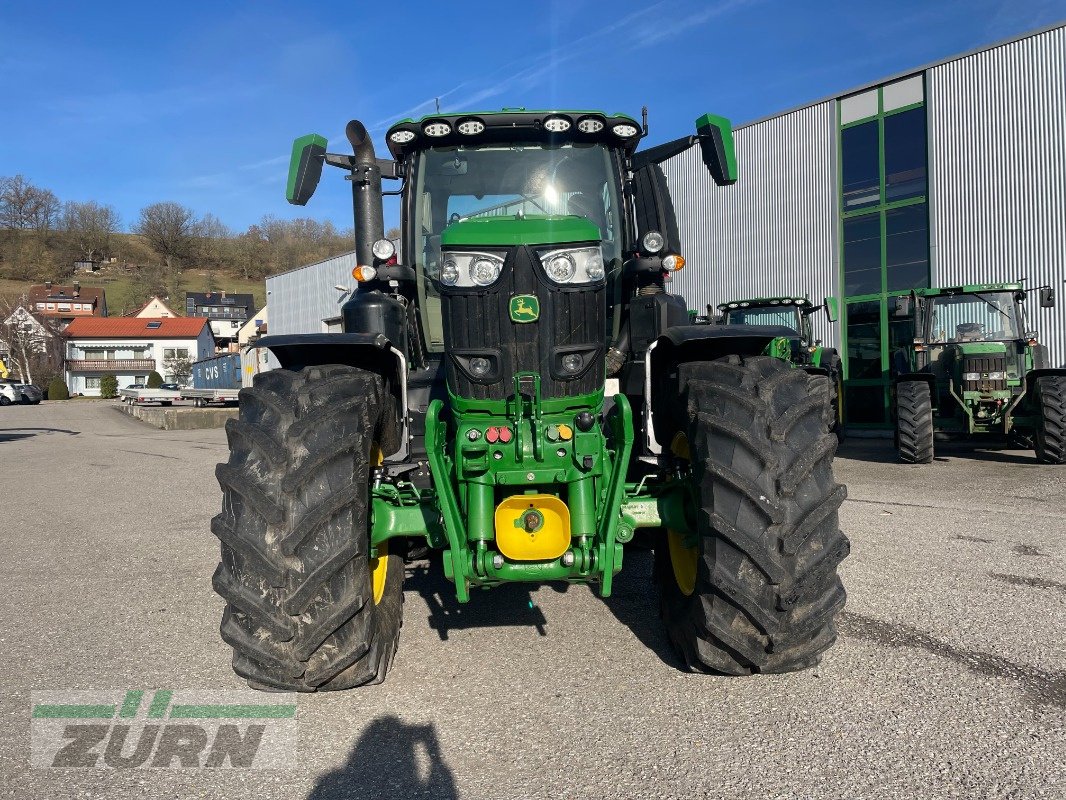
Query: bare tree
(89,228)
(178,370)
(170,230)
(215,239)
(33,345)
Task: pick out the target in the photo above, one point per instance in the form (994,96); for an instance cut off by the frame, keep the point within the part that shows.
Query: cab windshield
(452,184)
(984,316)
(771,315)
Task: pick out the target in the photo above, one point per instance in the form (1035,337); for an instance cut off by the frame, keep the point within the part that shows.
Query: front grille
(985,366)
(477,323)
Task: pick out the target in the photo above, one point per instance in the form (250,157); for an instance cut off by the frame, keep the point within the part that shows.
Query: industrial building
(947,174)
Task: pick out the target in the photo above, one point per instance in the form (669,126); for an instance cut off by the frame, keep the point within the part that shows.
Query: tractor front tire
(758,589)
(914,422)
(1049,440)
(307,609)
(828,386)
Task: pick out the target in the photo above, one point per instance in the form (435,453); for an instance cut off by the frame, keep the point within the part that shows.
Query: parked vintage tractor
(825,372)
(976,370)
(516,389)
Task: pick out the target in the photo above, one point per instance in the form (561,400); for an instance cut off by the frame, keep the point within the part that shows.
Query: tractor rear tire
(914,422)
(306,608)
(759,591)
(828,386)
(1049,440)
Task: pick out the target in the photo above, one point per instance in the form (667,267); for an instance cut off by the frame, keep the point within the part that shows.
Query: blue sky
(198,102)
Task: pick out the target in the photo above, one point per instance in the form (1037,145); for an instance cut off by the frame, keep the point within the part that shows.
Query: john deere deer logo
(524,308)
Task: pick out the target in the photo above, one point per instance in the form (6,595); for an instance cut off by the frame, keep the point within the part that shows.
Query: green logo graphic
(524,308)
(114,729)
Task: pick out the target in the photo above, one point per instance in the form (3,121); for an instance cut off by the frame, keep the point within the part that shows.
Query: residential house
(24,342)
(227,312)
(130,348)
(155,309)
(63,304)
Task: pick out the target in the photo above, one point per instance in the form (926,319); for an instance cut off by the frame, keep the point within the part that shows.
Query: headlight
(577,265)
(652,242)
(971,376)
(384,249)
(449,273)
(484,271)
(997,376)
(470,269)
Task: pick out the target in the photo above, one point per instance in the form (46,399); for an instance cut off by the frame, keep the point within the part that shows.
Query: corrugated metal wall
(998,172)
(301,299)
(774,232)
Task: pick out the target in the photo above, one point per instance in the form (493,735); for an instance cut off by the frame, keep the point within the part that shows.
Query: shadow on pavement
(510,604)
(14,434)
(882,451)
(391,759)
(634,601)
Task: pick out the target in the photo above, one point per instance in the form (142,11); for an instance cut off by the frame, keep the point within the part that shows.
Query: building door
(884,235)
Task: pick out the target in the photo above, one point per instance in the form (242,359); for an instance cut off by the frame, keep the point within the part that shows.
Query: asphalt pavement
(948,680)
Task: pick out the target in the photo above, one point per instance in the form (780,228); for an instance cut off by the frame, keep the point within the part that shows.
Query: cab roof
(513,124)
(971,288)
(760,302)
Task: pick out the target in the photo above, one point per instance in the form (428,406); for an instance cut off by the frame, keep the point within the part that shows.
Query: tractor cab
(976,342)
(790,312)
(975,367)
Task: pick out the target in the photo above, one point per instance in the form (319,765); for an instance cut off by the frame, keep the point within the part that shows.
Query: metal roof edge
(312,264)
(904,73)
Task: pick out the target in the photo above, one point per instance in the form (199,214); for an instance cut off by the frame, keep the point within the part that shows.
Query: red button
(505,435)
(492,434)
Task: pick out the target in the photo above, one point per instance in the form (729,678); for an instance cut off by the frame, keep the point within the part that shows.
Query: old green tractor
(516,389)
(825,373)
(976,370)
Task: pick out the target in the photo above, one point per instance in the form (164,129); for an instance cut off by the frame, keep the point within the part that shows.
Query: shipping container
(221,372)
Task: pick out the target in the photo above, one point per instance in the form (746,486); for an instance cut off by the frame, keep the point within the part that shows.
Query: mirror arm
(388,167)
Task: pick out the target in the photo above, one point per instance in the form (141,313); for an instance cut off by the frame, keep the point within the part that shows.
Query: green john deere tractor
(976,369)
(825,373)
(516,389)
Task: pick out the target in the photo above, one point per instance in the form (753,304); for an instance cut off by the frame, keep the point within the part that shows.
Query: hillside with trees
(167,250)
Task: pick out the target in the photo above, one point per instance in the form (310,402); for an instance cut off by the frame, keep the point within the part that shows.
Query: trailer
(215,380)
(132,395)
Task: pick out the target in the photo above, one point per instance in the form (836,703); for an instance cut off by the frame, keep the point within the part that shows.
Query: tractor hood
(512,231)
(981,348)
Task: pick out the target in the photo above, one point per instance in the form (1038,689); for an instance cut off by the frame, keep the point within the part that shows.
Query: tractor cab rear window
(987,316)
(453,184)
(770,315)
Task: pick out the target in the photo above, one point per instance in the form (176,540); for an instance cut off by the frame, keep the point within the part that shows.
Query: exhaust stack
(366,193)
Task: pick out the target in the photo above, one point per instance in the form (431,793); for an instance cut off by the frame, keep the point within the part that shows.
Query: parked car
(9,393)
(30,395)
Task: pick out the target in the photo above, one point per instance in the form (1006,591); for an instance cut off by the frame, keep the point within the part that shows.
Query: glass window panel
(860,166)
(865,404)
(858,106)
(862,255)
(902,93)
(864,339)
(905,155)
(907,247)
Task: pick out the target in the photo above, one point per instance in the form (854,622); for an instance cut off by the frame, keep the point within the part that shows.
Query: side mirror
(716,143)
(1047,297)
(832,309)
(902,307)
(305,168)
